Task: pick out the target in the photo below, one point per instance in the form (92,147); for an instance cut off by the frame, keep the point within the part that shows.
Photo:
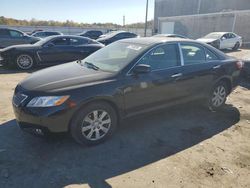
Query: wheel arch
(32,55)
(228,83)
(100,100)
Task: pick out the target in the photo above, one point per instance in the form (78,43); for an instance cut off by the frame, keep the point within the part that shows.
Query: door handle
(176,75)
(217,67)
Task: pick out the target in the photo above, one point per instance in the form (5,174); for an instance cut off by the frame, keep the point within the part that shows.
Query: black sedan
(49,51)
(115,36)
(93,34)
(126,78)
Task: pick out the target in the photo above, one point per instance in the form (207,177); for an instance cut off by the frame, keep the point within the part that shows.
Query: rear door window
(163,57)
(193,54)
(232,35)
(76,41)
(61,42)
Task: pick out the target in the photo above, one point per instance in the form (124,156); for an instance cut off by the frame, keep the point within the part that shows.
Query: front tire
(218,96)
(94,123)
(236,46)
(24,62)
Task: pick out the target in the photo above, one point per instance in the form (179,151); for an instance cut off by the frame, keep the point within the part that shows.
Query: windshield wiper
(89,65)
(92,66)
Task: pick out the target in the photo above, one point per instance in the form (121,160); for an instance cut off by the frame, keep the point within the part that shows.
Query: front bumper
(54,119)
(5,62)
(216,45)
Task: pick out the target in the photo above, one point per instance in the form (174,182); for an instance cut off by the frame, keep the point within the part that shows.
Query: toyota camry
(89,98)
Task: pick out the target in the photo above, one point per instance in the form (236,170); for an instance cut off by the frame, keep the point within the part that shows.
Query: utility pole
(124,21)
(146,20)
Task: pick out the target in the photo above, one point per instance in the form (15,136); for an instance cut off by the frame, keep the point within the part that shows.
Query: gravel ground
(184,146)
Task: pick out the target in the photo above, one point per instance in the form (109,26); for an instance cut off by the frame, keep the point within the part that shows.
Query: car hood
(104,38)
(205,40)
(64,77)
(21,46)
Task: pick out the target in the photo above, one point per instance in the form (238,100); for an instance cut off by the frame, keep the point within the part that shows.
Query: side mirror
(142,69)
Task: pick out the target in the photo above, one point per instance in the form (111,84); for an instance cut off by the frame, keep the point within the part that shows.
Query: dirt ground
(183,146)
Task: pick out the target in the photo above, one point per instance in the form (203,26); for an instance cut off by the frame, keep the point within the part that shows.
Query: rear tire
(218,96)
(236,46)
(94,123)
(25,62)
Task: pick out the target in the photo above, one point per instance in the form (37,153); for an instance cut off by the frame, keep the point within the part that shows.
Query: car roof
(153,41)
(6,28)
(220,33)
(94,31)
(117,32)
(150,41)
(67,36)
(47,31)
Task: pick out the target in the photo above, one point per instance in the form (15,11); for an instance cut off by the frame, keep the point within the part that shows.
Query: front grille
(18,99)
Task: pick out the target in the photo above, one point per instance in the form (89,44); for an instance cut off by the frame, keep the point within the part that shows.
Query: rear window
(60,42)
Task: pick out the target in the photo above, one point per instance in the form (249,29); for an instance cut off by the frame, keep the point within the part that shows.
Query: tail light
(239,65)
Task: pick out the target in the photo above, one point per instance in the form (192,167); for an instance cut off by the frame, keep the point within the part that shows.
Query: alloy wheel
(219,96)
(96,125)
(24,62)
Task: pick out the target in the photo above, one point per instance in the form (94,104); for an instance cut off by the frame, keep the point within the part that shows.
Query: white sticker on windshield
(134,47)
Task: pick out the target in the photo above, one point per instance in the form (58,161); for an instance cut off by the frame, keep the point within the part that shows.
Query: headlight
(47,101)
(216,42)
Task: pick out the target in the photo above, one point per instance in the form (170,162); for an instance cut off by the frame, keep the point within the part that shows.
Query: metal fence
(195,26)
(76,30)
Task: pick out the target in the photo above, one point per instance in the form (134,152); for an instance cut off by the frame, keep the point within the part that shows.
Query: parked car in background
(9,37)
(44,34)
(93,34)
(170,35)
(51,50)
(126,78)
(223,40)
(34,31)
(115,36)
(109,31)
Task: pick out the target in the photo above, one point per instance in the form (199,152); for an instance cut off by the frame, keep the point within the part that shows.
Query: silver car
(223,40)
(9,37)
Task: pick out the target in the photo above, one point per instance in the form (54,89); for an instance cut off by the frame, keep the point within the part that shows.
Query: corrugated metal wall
(195,26)
(195,18)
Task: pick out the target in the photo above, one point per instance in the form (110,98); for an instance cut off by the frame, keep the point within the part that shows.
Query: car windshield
(213,36)
(113,57)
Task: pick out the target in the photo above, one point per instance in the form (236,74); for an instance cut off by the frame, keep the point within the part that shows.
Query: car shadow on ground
(4,70)
(230,50)
(29,161)
(245,83)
